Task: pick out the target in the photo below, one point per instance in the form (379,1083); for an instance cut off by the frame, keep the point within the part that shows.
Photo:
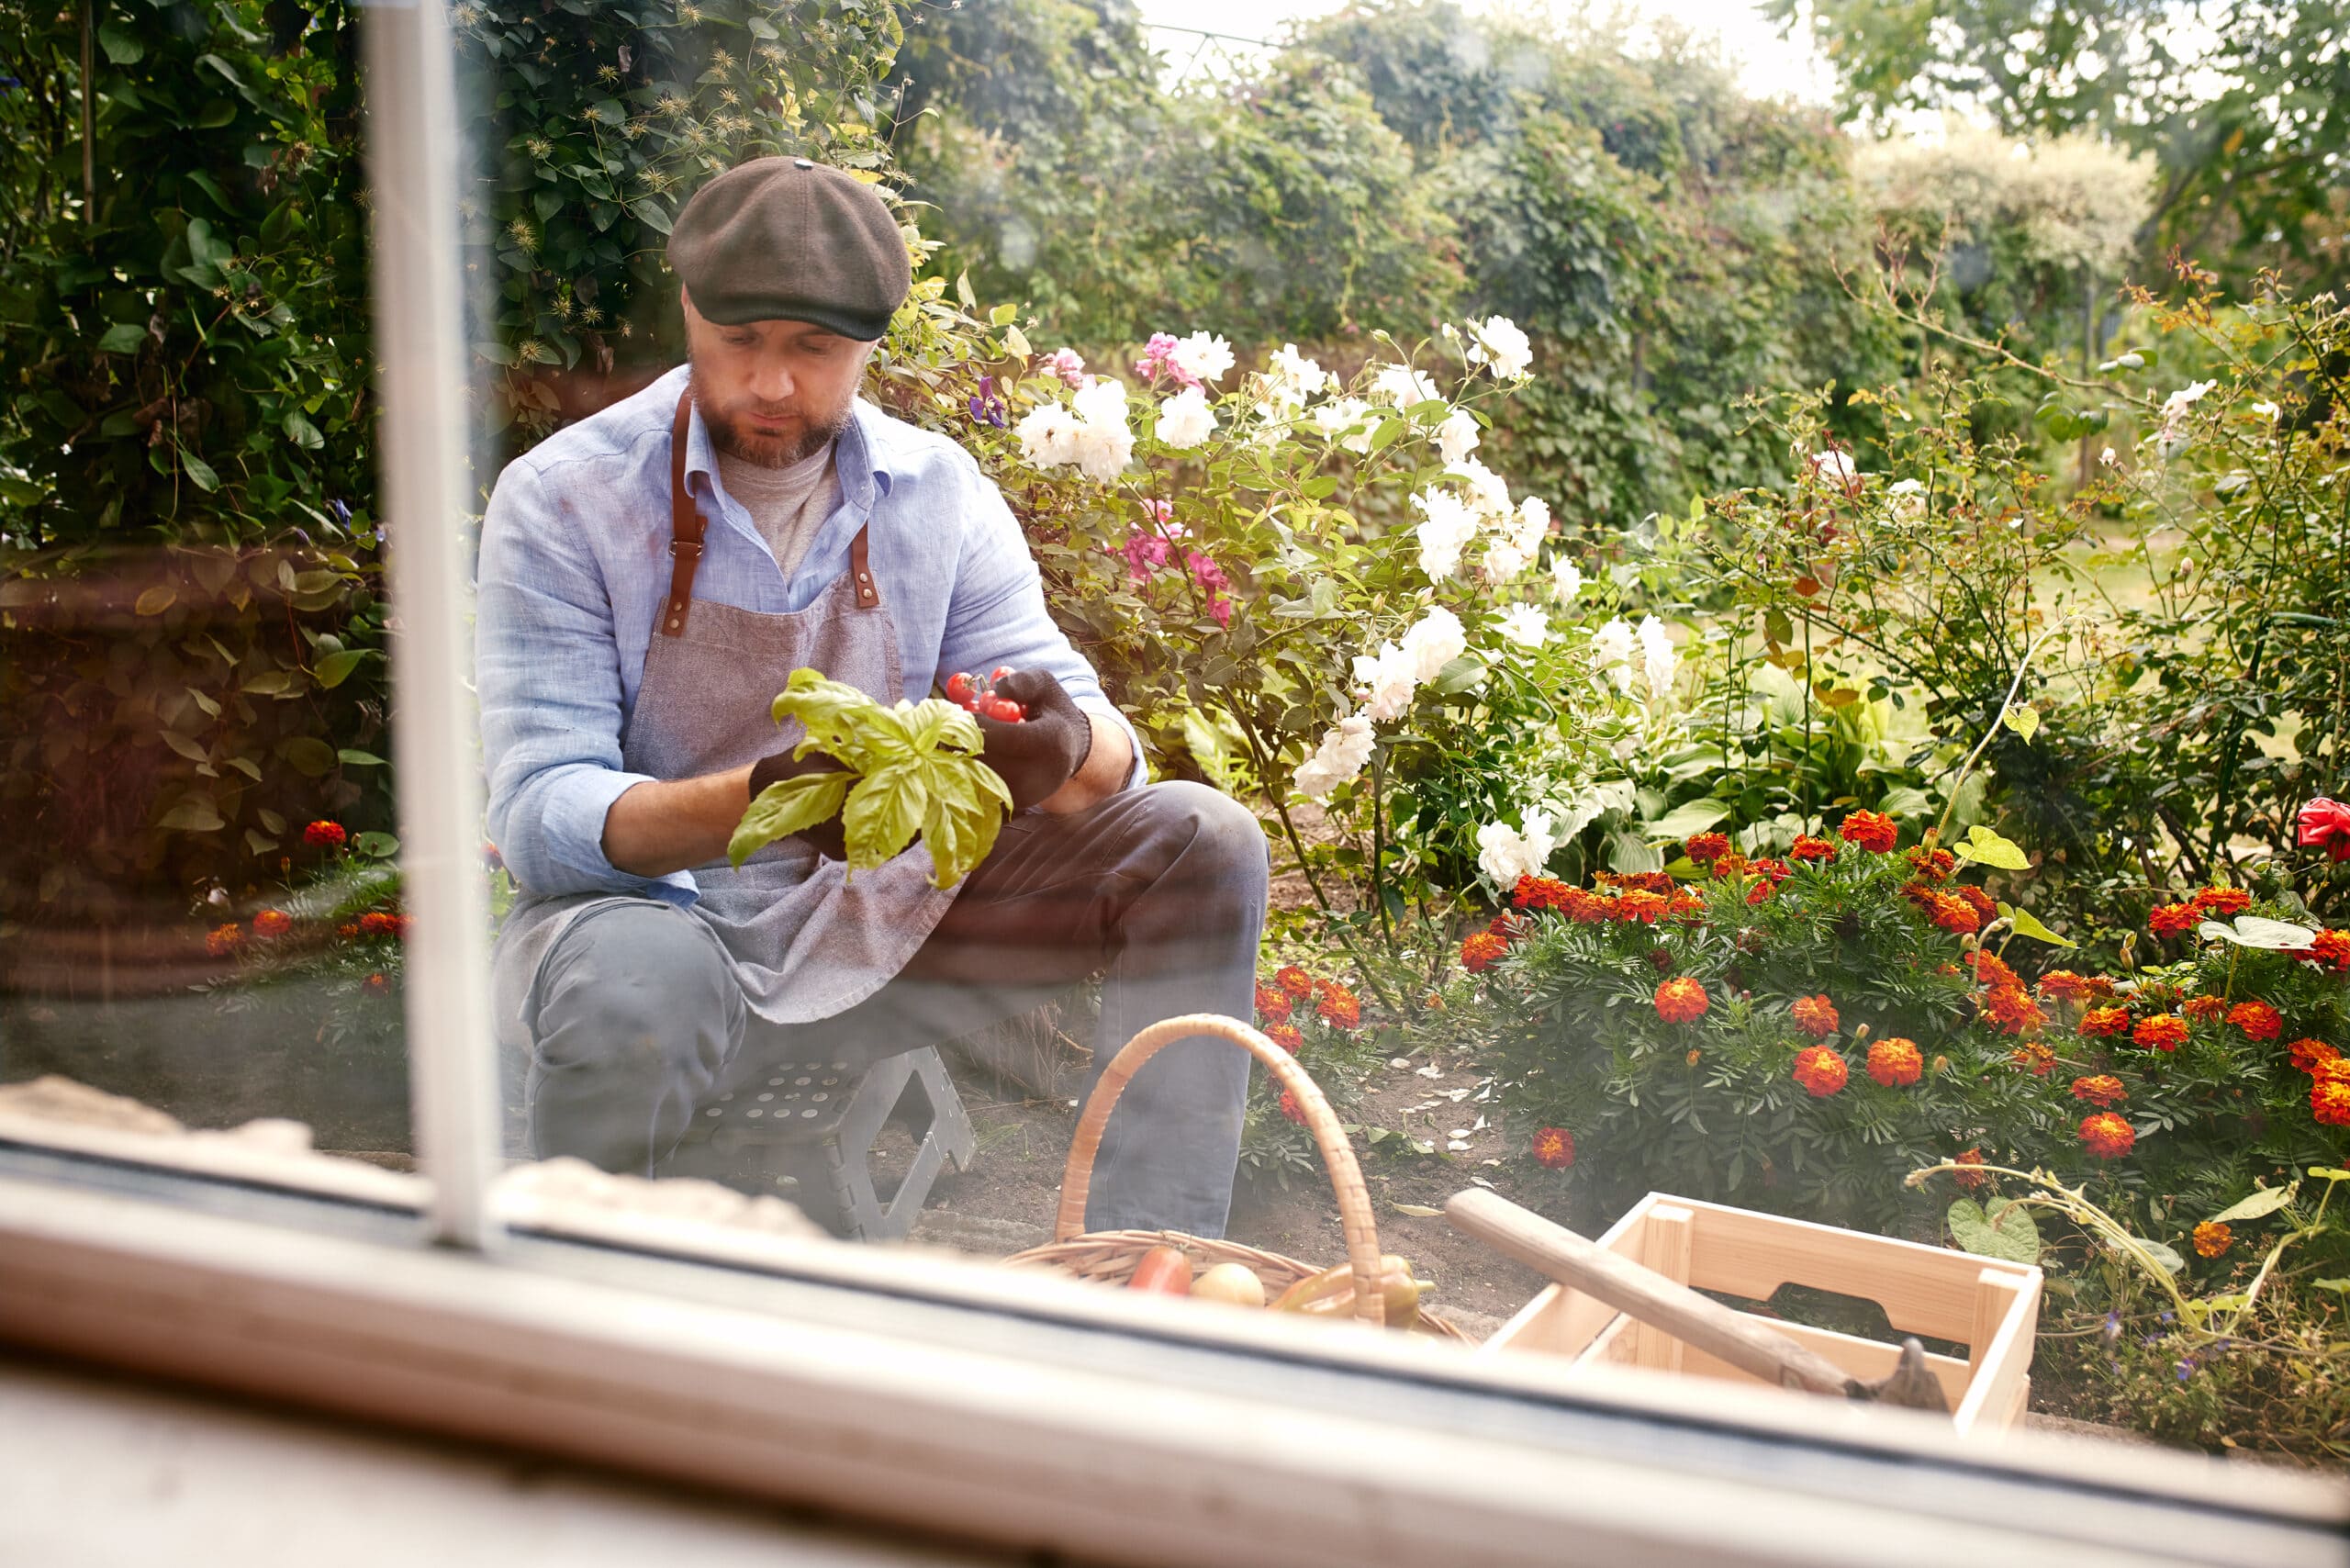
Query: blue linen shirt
(574,569)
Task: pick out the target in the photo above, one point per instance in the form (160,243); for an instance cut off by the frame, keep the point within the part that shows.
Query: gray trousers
(638,1021)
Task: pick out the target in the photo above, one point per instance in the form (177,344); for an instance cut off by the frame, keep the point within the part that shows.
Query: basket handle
(1337,1154)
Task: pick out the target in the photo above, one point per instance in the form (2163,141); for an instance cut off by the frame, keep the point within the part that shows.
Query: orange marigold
(1760,891)
(2012,1011)
(1554,1148)
(1682,1001)
(1636,881)
(2108,1136)
(1583,908)
(1986,908)
(2223,903)
(2063,985)
(1540,893)
(1933,865)
(2174,919)
(2257,1019)
(325,835)
(1642,905)
(1273,1003)
(2213,1238)
(2330,1095)
(2102,1090)
(1479,950)
(383,922)
(1820,1070)
(2204,1009)
(1951,913)
(1815,1015)
(1894,1061)
(223,940)
(1992,970)
(1291,1108)
(2310,1054)
(1288,1036)
(1777,870)
(1294,981)
(1730,865)
(1971,1181)
(1337,1006)
(2105,1021)
(1807,848)
(1872,831)
(1705,848)
(273,922)
(2035,1058)
(2163,1032)
(376,984)
(2328,949)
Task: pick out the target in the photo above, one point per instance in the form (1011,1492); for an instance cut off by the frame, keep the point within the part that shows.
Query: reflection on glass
(199,884)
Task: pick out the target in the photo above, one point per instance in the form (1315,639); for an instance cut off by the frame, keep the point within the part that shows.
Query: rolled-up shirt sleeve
(548,671)
(996,616)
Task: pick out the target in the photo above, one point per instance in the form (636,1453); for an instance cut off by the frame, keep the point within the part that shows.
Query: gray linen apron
(801,938)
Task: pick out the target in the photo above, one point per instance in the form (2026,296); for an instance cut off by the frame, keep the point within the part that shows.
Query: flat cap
(785,240)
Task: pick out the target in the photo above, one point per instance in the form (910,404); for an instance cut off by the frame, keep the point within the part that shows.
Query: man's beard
(731,436)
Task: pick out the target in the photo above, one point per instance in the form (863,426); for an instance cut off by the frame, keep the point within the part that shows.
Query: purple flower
(1143,555)
(986,409)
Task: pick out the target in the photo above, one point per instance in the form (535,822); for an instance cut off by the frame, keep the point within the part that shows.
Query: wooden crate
(1990,1305)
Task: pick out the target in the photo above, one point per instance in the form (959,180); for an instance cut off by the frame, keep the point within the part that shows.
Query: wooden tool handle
(1644,1293)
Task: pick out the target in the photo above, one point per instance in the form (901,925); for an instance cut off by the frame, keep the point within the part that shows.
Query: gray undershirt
(788,506)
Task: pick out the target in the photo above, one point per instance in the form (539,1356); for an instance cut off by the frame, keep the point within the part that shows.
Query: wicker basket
(1109,1256)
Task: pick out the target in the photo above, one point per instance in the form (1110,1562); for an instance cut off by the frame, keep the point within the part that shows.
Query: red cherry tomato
(962,690)
(1003,709)
(997,672)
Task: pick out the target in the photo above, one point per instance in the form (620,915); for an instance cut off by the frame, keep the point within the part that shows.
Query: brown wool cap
(785,240)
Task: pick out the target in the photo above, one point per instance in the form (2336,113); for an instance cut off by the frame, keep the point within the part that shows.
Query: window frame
(995,1407)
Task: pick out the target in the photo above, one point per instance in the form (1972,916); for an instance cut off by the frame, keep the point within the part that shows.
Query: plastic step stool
(805,1132)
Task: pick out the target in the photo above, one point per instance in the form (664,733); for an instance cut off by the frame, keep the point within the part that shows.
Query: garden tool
(1665,1303)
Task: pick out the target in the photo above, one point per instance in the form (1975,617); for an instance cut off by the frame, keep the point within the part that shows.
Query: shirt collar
(858,459)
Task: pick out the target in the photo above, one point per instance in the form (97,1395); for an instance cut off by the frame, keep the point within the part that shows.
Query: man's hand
(1035,757)
(828,838)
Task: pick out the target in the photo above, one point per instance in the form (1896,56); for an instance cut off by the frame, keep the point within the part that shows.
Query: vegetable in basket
(1164,1270)
(1331,1292)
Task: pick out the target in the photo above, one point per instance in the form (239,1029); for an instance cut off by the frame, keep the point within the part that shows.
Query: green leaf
(2328,1173)
(2253,931)
(308,755)
(199,472)
(352,757)
(2007,1231)
(789,806)
(302,432)
(2024,720)
(2339,1287)
(335,668)
(2026,925)
(2162,1253)
(156,601)
(884,811)
(1987,848)
(122,46)
(2263,1201)
(380,845)
(1689,817)
(274,683)
(194,814)
(123,337)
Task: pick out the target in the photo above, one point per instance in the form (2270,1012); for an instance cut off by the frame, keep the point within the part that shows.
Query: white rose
(1458,436)
(1202,356)
(1611,649)
(1343,414)
(1525,626)
(1387,678)
(1102,403)
(1445,527)
(1487,492)
(1185,419)
(1504,560)
(1341,755)
(1434,640)
(1048,436)
(1103,451)
(1834,466)
(1506,854)
(1293,372)
(1533,526)
(1662,659)
(1402,386)
(1566,580)
(1500,344)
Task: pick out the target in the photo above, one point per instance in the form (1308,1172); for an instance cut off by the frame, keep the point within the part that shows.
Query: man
(651,576)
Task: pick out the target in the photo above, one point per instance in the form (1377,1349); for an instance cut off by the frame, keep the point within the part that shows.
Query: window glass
(201,923)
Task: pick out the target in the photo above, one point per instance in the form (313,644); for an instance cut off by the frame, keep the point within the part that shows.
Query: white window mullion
(412,160)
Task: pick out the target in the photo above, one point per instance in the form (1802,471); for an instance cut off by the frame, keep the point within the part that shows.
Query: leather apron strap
(686,536)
